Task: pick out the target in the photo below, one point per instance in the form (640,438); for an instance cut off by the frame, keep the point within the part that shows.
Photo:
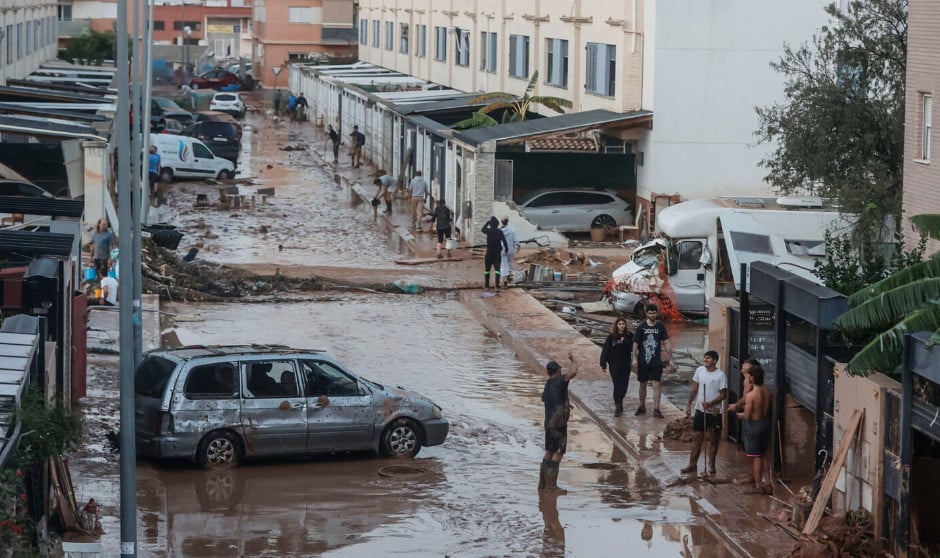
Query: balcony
(74,27)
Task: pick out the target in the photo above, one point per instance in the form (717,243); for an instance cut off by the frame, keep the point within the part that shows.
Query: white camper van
(701,245)
(186,157)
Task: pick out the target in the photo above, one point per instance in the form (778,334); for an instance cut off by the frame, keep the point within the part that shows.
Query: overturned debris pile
(845,534)
(166,274)
(679,429)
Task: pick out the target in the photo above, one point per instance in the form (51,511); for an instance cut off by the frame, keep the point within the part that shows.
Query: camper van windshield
(647,257)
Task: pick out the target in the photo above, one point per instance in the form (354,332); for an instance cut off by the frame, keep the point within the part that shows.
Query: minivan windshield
(152,375)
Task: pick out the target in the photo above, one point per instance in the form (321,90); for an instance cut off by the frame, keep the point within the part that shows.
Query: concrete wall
(860,480)
(921,175)
(19,20)
(95,180)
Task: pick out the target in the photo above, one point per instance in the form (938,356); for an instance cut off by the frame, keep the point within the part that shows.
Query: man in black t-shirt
(649,339)
(557,409)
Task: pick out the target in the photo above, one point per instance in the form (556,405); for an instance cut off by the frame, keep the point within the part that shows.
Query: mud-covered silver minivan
(219,404)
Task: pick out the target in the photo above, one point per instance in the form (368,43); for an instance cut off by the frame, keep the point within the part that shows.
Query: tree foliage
(515,107)
(839,133)
(92,47)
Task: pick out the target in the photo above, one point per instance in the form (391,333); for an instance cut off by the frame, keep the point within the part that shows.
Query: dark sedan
(214,79)
(220,137)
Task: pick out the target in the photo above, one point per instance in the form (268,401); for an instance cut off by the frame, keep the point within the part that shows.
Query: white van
(186,157)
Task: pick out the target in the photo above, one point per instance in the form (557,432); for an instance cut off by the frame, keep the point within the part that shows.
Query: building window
(19,41)
(65,12)
(463,46)
(488,51)
(299,14)
(36,34)
(193,25)
(363,31)
(403,38)
(440,44)
(29,45)
(376,33)
(927,127)
(389,35)
(9,34)
(519,56)
(601,69)
(421,47)
(557,63)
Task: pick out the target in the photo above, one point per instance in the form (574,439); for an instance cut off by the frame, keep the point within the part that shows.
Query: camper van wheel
(220,449)
(603,222)
(225,175)
(166,175)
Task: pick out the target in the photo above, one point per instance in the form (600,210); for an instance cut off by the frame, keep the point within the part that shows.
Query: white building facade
(28,36)
(701,66)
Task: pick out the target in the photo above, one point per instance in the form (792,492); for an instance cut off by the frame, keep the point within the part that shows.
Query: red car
(214,79)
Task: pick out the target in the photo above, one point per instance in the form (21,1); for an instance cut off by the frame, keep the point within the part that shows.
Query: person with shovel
(709,390)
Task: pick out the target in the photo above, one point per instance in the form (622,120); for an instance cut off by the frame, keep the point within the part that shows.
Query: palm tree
(516,107)
(905,302)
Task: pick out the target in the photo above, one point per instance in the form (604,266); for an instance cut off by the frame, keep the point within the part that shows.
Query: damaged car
(217,405)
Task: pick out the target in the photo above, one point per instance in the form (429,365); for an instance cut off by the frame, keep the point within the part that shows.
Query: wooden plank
(424,261)
(819,506)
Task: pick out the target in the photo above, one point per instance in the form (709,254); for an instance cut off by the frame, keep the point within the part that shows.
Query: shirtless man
(756,425)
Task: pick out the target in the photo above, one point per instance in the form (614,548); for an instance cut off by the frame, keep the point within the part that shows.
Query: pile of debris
(845,534)
(679,430)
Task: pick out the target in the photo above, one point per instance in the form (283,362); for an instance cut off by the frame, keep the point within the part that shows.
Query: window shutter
(512,55)
(590,82)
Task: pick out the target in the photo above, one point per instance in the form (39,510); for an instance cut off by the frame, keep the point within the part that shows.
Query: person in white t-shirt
(109,291)
(709,390)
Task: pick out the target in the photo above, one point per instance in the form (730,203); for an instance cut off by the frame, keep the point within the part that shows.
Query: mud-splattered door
(274,414)
(340,415)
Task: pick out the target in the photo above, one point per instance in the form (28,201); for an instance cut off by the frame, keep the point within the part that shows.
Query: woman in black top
(616,354)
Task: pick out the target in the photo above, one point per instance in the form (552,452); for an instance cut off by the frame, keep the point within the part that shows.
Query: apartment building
(224,26)
(297,30)
(701,66)
(921,150)
(27,36)
(77,17)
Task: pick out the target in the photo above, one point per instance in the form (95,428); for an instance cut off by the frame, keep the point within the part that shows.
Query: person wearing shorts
(649,339)
(386,190)
(557,412)
(443,221)
(756,423)
(709,390)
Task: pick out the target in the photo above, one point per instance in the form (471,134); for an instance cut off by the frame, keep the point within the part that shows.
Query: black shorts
(443,234)
(756,437)
(556,439)
(647,373)
(706,421)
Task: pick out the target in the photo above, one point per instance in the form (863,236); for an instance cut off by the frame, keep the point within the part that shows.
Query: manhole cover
(401,471)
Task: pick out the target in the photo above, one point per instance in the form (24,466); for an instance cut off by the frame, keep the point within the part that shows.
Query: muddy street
(474,495)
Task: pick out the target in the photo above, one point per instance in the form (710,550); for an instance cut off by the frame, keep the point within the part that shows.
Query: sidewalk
(538,335)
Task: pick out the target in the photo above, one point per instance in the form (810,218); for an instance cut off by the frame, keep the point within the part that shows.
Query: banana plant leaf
(476,120)
(927,224)
(923,270)
(883,354)
(889,307)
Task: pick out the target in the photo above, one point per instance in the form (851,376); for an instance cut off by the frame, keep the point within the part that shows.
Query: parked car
(218,405)
(162,109)
(221,137)
(186,157)
(170,126)
(23,189)
(217,116)
(576,209)
(229,102)
(214,79)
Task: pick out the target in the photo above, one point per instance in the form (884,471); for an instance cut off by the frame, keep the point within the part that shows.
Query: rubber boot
(696,452)
(486,280)
(618,408)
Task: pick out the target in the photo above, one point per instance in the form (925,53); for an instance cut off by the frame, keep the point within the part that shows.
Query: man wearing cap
(709,390)
(557,411)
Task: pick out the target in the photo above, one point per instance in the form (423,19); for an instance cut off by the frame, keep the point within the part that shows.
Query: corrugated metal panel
(801,376)
(36,243)
(42,206)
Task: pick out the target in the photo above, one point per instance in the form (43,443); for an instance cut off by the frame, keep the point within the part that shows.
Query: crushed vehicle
(701,245)
(216,405)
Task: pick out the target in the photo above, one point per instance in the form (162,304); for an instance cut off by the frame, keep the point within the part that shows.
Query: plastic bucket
(452,244)
(90,274)
(598,234)
(557,276)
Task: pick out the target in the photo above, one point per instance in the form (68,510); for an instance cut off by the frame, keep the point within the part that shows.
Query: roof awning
(42,206)
(543,128)
(46,128)
(36,243)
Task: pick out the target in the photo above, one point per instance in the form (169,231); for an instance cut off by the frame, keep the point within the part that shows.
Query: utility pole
(125,292)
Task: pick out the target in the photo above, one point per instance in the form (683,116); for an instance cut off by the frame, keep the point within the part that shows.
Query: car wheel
(401,438)
(224,175)
(219,450)
(603,221)
(166,175)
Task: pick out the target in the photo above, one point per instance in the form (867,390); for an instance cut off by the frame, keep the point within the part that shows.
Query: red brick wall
(922,178)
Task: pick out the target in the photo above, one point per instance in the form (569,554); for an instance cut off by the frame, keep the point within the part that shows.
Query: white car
(576,209)
(229,102)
